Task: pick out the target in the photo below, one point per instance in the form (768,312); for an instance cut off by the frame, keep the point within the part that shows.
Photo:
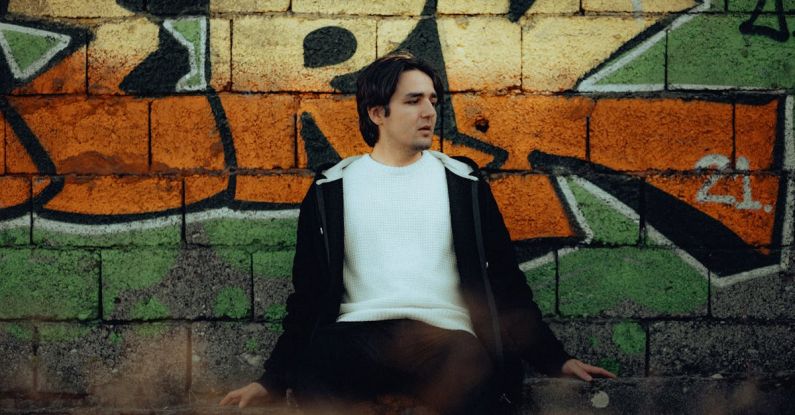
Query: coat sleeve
(523,331)
(302,310)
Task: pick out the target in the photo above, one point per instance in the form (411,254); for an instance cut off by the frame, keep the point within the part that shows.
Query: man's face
(412,114)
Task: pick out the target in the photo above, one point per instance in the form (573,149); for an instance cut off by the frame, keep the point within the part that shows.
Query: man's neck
(394,158)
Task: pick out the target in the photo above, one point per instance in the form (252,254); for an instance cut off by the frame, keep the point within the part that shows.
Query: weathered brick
(249,6)
(531,207)
(263,129)
(262,219)
(113,195)
(276,189)
(176,283)
(226,356)
(49,284)
(674,395)
(375,7)
(647,6)
(769,297)
(117,48)
(709,348)
(83,135)
(272,284)
(472,7)
(176,8)
(221,54)
(14,210)
(746,205)
(67,8)
(523,124)
(248,233)
(629,282)
(66,77)
(335,120)
(104,361)
(503,6)
(16,357)
(268,52)
(185,135)
(610,207)
(698,52)
(555,7)
(662,134)
(755,135)
(557,51)
(619,347)
(481,53)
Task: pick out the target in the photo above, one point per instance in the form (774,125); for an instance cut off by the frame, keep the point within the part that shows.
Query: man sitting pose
(404,273)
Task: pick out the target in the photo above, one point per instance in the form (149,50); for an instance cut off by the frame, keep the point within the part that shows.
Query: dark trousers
(448,370)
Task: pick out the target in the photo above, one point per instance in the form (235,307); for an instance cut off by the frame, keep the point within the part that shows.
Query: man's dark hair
(377,83)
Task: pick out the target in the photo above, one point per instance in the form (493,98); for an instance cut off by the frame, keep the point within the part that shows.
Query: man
(405,276)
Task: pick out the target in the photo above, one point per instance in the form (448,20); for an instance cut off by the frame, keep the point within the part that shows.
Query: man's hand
(245,395)
(574,368)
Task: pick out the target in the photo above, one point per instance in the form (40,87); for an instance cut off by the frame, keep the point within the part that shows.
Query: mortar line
(149,137)
(295,137)
(734,136)
(182,232)
(647,354)
(642,233)
(30,211)
(709,294)
(189,361)
(86,75)
(100,299)
(35,355)
(251,284)
(231,44)
(665,60)
(588,138)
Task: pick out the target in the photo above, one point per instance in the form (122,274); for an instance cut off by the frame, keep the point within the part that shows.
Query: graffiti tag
(749,27)
(722,163)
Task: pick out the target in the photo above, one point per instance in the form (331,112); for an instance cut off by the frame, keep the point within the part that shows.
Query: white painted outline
(226,213)
(575,208)
(35,66)
(80,229)
(182,84)
(18,222)
(589,83)
(537,262)
(789,145)
(148,224)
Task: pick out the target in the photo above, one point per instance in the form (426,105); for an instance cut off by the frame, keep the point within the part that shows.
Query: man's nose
(428,109)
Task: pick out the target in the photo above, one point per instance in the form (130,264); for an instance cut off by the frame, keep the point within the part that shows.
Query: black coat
(500,303)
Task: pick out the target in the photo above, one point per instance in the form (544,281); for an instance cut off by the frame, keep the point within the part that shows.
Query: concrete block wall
(154,154)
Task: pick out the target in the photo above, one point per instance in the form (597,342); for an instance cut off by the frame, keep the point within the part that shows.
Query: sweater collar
(458,168)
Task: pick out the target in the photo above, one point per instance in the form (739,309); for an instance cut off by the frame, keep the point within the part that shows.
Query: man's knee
(471,360)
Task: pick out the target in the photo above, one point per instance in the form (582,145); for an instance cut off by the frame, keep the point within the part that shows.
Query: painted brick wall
(154,153)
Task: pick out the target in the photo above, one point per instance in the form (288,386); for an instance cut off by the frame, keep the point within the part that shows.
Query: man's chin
(423,144)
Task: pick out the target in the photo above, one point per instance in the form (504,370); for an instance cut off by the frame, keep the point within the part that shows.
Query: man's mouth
(426,128)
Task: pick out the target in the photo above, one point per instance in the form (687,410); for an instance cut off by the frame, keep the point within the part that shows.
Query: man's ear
(376,114)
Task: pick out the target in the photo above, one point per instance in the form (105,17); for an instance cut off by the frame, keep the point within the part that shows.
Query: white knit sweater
(399,257)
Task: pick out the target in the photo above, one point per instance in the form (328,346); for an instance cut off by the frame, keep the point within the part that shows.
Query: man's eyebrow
(419,94)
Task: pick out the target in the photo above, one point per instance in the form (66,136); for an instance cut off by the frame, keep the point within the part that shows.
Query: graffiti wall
(154,153)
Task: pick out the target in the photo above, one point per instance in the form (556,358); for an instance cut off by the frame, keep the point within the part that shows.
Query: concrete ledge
(669,395)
